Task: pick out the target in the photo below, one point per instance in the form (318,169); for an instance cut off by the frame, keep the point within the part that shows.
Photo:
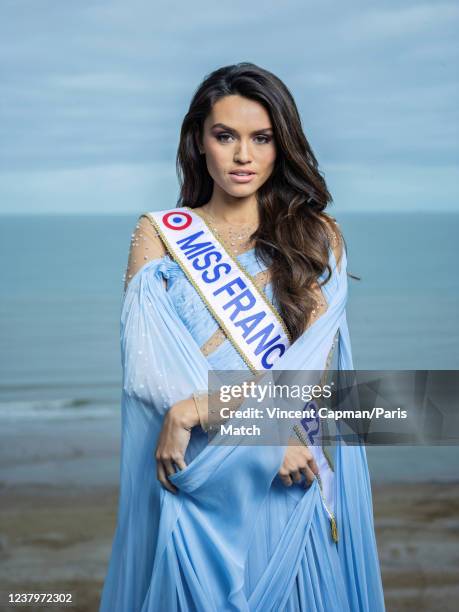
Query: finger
(313,465)
(309,475)
(296,476)
(168,467)
(161,471)
(180,463)
(287,480)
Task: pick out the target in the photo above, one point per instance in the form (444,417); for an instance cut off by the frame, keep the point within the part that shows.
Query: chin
(241,193)
(246,189)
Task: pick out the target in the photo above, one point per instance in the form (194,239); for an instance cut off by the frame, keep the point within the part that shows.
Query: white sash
(248,319)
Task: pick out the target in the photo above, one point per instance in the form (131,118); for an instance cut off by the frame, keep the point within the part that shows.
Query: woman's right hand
(174,439)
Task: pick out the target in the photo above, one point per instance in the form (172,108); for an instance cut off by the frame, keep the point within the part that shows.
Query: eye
(221,137)
(265,139)
(260,139)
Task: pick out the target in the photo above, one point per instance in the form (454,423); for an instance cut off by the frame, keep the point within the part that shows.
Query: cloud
(94,86)
(403,21)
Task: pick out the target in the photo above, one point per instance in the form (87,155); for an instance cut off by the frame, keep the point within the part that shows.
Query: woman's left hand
(298,462)
(174,439)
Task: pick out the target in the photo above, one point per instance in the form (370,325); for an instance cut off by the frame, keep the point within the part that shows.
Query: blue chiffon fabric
(233,538)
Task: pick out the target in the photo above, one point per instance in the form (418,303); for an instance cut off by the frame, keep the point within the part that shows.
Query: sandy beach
(56,540)
(58,506)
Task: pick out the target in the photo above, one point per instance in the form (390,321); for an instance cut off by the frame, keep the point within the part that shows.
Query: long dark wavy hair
(293,236)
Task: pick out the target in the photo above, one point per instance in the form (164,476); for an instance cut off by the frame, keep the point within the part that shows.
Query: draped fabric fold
(233,538)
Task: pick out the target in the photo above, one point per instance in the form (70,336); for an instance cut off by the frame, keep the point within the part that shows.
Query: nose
(241,153)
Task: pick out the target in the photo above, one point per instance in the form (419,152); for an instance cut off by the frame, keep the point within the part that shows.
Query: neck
(237,211)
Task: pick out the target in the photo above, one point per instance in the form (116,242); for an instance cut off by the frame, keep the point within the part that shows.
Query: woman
(213,527)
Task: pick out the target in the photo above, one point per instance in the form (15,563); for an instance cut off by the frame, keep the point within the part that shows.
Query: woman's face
(238,138)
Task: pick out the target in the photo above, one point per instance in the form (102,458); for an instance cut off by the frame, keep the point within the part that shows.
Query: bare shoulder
(335,236)
(146,232)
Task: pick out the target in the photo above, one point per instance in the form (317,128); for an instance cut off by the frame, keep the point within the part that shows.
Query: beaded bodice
(147,249)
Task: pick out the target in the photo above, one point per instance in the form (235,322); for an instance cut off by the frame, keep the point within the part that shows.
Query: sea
(60,303)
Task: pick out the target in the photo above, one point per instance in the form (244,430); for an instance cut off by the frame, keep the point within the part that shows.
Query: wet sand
(417,530)
(58,539)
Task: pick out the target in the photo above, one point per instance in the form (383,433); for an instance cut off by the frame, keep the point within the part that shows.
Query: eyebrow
(228,129)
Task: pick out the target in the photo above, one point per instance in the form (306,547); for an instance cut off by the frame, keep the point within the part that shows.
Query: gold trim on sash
(323,380)
(300,436)
(208,306)
(203,298)
(244,271)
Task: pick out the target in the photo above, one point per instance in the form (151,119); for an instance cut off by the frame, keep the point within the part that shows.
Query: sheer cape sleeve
(146,245)
(176,551)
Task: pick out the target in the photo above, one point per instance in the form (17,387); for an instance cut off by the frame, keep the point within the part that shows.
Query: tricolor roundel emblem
(177,220)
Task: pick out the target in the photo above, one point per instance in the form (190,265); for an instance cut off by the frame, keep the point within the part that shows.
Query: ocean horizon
(61,301)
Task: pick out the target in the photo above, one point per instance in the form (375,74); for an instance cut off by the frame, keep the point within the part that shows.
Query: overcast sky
(94,92)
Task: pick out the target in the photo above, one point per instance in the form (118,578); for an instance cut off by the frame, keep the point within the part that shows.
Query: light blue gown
(234,538)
